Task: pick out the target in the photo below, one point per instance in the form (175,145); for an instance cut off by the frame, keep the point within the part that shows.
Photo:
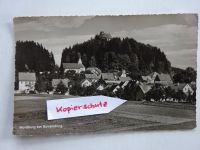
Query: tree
(49,87)
(105,64)
(192,98)
(112,53)
(70,74)
(40,84)
(92,61)
(191,74)
(120,93)
(135,75)
(180,95)
(125,46)
(134,59)
(33,56)
(185,76)
(112,61)
(76,88)
(85,60)
(169,92)
(61,88)
(155,93)
(88,91)
(124,61)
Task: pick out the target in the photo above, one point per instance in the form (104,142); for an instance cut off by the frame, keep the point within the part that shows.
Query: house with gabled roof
(94,70)
(124,79)
(114,82)
(55,82)
(141,91)
(77,67)
(153,75)
(26,81)
(149,78)
(145,88)
(92,77)
(121,85)
(137,90)
(86,82)
(164,79)
(107,76)
(73,66)
(184,87)
(101,87)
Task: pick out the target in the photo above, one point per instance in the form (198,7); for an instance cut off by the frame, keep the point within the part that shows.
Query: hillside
(184,76)
(33,57)
(113,53)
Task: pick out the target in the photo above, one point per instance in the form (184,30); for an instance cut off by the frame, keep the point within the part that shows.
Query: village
(81,81)
(156,82)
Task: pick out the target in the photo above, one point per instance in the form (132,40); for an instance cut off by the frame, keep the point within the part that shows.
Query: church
(77,67)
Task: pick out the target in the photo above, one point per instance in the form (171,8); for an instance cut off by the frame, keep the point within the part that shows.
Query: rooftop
(89,80)
(145,88)
(164,77)
(153,75)
(108,76)
(94,70)
(72,66)
(178,87)
(55,82)
(146,78)
(27,76)
(124,79)
(92,76)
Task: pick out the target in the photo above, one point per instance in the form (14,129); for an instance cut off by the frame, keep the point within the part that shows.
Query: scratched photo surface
(148,60)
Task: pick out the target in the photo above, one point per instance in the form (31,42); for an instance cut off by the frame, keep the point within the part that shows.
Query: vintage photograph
(148,60)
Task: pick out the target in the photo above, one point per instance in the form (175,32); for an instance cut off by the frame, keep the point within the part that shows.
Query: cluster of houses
(116,80)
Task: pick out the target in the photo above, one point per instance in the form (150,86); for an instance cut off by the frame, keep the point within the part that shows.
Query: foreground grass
(131,116)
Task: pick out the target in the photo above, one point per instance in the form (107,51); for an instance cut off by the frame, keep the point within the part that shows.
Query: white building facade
(26,82)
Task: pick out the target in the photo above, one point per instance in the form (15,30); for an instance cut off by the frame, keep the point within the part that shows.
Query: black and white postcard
(147,60)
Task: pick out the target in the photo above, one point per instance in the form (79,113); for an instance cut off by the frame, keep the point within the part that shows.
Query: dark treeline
(184,76)
(107,53)
(110,54)
(33,57)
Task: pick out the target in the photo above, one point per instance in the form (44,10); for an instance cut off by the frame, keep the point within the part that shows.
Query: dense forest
(113,53)
(184,76)
(33,57)
(103,51)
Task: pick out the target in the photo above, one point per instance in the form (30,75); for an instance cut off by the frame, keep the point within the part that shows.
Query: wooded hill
(113,53)
(33,57)
(107,53)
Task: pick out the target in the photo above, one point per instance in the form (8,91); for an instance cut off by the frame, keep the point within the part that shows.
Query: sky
(175,34)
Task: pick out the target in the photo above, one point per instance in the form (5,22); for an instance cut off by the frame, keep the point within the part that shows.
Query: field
(30,118)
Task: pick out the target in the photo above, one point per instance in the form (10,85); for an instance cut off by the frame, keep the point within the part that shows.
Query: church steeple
(79,59)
